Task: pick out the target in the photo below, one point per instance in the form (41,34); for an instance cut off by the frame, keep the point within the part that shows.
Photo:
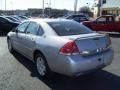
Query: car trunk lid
(90,43)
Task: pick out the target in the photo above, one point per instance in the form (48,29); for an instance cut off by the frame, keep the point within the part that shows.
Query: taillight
(69,48)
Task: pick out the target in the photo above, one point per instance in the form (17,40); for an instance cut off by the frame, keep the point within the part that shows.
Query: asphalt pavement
(18,73)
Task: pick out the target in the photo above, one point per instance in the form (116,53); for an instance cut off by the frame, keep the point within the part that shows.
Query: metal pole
(1,4)
(49,7)
(75,5)
(43,8)
(5,5)
(101,2)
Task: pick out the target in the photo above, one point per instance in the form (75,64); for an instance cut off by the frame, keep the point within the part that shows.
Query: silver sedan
(62,46)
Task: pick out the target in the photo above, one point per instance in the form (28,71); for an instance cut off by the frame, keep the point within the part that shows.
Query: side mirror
(15,30)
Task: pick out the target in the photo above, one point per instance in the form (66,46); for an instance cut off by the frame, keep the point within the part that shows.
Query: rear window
(12,19)
(66,28)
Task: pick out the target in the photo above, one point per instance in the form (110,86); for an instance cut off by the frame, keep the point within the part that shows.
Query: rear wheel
(42,66)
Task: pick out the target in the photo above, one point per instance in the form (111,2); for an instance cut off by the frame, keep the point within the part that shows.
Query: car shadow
(3,34)
(114,35)
(102,80)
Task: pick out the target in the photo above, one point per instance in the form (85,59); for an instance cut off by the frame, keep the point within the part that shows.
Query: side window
(3,20)
(77,19)
(21,28)
(110,19)
(69,17)
(102,19)
(40,31)
(32,28)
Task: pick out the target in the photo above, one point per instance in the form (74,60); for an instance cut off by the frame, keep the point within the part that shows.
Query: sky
(58,4)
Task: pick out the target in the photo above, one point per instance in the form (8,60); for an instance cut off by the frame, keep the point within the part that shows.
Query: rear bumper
(77,65)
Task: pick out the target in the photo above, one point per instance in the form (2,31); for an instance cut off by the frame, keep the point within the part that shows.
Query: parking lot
(18,73)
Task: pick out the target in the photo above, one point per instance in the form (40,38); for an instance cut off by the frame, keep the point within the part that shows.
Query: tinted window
(84,19)
(21,28)
(65,28)
(80,16)
(12,19)
(32,28)
(102,19)
(74,16)
(23,17)
(110,19)
(77,19)
(16,18)
(3,20)
(69,17)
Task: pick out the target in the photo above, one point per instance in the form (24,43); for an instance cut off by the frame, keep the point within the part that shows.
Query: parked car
(62,46)
(16,17)
(104,23)
(19,18)
(23,17)
(12,19)
(7,24)
(78,18)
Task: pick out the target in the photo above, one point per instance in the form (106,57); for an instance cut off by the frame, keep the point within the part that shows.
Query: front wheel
(42,66)
(10,48)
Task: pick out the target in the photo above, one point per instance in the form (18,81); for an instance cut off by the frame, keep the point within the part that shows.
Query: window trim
(97,20)
(22,24)
(28,26)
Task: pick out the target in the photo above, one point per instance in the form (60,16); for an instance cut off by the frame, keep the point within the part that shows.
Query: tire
(10,48)
(42,67)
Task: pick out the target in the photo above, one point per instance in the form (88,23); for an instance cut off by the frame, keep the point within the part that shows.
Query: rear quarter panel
(50,46)
(116,27)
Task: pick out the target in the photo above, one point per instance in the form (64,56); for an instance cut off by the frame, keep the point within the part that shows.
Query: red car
(104,23)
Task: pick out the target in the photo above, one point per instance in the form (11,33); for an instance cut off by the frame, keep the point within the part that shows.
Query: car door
(18,36)
(29,38)
(110,24)
(100,24)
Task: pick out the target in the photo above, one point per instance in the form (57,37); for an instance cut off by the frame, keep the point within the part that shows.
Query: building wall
(113,11)
(96,8)
(110,7)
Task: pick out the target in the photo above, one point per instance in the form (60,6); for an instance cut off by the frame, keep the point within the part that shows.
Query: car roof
(4,17)
(48,20)
(77,15)
(107,15)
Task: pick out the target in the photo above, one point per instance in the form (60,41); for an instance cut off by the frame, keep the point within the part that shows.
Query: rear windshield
(66,28)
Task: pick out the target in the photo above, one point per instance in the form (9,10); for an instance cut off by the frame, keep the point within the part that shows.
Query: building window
(109,12)
(114,12)
(119,12)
